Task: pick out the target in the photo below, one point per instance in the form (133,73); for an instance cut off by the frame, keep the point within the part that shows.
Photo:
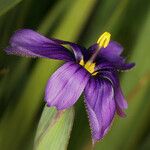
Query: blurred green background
(23,80)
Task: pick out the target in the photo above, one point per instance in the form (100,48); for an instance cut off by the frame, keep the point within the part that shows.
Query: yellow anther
(81,62)
(88,66)
(104,39)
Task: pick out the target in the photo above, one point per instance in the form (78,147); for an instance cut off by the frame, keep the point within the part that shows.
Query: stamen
(88,66)
(104,39)
(81,62)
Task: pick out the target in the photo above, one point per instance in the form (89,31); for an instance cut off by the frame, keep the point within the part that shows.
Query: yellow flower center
(88,66)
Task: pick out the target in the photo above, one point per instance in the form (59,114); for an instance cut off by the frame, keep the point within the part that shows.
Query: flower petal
(109,57)
(29,43)
(121,103)
(103,64)
(122,65)
(112,52)
(78,50)
(99,99)
(66,85)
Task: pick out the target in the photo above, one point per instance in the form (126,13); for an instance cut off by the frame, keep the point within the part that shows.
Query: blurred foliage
(22,80)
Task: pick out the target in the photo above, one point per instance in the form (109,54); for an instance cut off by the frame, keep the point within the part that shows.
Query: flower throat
(102,42)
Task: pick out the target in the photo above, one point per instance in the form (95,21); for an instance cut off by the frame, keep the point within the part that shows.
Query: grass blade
(6,5)
(54,127)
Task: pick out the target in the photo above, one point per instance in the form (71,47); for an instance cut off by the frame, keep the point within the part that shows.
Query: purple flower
(93,71)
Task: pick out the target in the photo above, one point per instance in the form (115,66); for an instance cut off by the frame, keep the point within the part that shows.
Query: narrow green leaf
(14,77)
(145,145)
(6,5)
(105,18)
(56,13)
(76,19)
(141,122)
(54,127)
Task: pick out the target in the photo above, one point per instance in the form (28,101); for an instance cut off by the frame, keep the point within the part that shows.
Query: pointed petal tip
(124,115)
(121,113)
(124,104)
(127,66)
(132,65)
